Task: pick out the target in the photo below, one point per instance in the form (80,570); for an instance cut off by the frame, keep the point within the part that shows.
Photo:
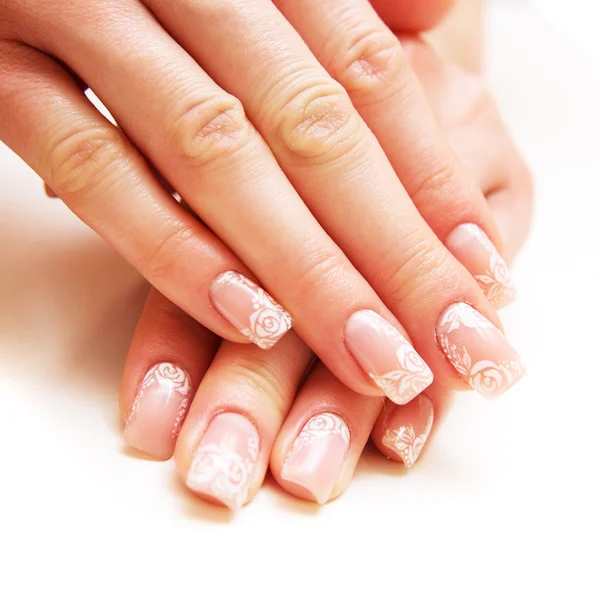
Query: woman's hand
(287,127)
(250,407)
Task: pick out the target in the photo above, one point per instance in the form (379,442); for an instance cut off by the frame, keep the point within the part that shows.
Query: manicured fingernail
(474,249)
(250,309)
(225,459)
(408,428)
(478,350)
(158,411)
(386,356)
(318,455)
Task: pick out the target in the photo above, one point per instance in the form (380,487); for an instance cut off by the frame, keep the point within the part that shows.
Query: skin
(277,173)
(265,387)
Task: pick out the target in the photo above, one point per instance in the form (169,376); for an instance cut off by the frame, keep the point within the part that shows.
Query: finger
(408,15)
(92,166)
(223,450)
(319,444)
(358,50)
(472,124)
(200,137)
(169,354)
(402,432)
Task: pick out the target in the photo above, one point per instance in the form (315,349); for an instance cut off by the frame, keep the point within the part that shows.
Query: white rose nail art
(495,281)
(224,462)
(318,455)
(408,428)
(387,356)
(168,381)
(250,309)
(469,243)
(478,351)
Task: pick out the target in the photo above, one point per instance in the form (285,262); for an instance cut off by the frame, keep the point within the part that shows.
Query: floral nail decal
(478,351)
(321,426)
(411,377)
(318,455)
(268,322)
(169,382)
(495,281)
(469,243)
(406,443)
(250,309)
(224,462)
(386,356)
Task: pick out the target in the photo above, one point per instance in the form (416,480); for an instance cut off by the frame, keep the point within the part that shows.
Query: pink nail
(223,463)
(408,428)
(474,249)
(158,411)
(478,350)
(318,455)
(386,356)
(250,309)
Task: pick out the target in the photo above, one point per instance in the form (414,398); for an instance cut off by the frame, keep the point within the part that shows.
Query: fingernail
(386,356)
(317,457)
(474,249)
(250,309)
(408,428)
(158,411)
(478,350)
(225,459)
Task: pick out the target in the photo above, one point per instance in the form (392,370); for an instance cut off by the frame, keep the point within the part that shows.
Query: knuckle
(321,274)
(159,263)
(210,129)
(372,65)
(84,159)
(437,183)
(259,381)
(418,271)
(318,122)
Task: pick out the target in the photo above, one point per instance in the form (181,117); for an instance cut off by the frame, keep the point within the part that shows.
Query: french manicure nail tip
(224,462)
(387,357)
(252,311)
(478,351)
(408,430)
(475,250)
(317,456)
(158,410)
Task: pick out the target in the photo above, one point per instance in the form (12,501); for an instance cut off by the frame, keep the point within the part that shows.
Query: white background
(505,504)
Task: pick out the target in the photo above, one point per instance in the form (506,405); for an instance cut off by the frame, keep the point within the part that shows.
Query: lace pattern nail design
(495,282)
(161,376)
(405,443)
(410,378)
(224,473)
(490,378)
(411,375)
(269,321)
(319,426)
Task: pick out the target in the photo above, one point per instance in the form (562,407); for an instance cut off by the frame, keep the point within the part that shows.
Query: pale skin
(268,388)
(308,110)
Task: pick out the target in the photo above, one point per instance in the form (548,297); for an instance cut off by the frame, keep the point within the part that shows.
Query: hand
(257,405)
(335,121)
